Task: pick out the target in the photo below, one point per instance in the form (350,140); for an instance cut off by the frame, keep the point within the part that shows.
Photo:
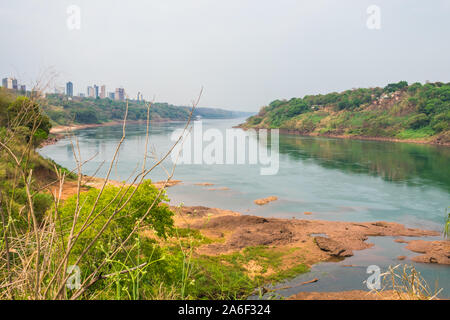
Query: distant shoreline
(65,129)
(60,132)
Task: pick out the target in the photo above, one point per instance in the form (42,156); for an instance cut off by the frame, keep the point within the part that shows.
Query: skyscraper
(111,95)
(103,92)
(96,92)
(120,94)
(6,83)
(9,83)
(69,89)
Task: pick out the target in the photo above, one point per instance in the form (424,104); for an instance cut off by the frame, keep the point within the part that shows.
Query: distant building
(139,97)
(103,92)
(82,95)
(90,92)
(23,88)
(120,94)
(111,95)
(69,89)
(96,91)
(59,90)
(9,83)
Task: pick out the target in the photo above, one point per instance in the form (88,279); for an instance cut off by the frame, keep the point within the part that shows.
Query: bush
(418,121)
(123,222)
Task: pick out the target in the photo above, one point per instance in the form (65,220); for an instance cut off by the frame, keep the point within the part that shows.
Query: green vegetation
(63,111)
(22,128)
(227,276)
(397,111)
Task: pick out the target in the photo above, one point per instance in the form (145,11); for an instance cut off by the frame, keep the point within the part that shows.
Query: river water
(335,179)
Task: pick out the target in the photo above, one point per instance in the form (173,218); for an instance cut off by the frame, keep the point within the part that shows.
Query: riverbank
(59,132)
(438,141)
(65,129)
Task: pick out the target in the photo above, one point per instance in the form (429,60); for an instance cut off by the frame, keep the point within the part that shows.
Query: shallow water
(335,179)
(351,273)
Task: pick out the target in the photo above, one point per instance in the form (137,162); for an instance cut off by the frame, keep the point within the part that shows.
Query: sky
(244,53)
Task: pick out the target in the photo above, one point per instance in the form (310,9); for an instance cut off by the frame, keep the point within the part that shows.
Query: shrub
(123,220)
(418,121)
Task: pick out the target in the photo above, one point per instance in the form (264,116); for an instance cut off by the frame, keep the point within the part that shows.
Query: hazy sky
(245,53)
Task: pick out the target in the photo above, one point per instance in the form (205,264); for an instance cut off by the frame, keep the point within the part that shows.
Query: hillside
(63,111)
(398,111)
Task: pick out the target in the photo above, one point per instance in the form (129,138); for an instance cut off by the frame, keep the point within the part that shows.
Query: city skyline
(92,91)
(12,83)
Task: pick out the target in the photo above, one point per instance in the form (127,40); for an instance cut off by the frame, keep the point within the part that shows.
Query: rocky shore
(322,240)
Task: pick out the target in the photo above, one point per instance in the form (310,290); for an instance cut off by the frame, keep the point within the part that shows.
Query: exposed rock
(264,201)
(166,184)
(333,247)
(432,251)
(401,257)
(219,189)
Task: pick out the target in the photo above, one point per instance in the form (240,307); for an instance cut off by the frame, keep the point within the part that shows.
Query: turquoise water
(336,179)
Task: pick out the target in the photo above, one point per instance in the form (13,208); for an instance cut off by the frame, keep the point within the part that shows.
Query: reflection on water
(334,179)
(413,164)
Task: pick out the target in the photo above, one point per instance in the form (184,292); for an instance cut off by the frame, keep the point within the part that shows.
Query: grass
(416,134)
(407,284)
(237,275)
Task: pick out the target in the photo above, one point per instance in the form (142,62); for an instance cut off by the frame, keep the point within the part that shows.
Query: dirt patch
(432,251)
(261,202)
(205,184)
(69,189)
(95,182)
(253,268)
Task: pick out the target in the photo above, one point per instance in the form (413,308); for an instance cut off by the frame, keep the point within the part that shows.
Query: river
(335,179)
